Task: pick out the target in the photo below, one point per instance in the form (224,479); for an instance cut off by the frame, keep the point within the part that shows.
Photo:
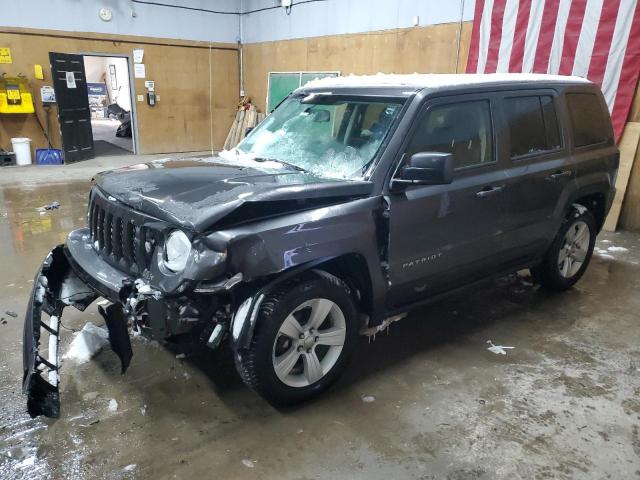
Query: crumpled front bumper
(55,286)
(71,275)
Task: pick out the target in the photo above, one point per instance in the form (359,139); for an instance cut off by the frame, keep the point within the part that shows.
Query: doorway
(94,103)
(109,96)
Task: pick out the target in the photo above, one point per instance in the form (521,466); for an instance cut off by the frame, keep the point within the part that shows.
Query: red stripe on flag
(520,36)
(602,44)
(571,36)
(628,77)
(497,15)
(545,39)
(474,48)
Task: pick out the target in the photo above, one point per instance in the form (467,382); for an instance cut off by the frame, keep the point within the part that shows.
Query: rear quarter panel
(596,165)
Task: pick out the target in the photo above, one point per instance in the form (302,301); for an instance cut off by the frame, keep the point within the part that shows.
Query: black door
(442,236)
(70,85)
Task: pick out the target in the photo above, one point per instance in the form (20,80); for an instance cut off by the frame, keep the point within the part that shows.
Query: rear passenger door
(539,172)
(443,236)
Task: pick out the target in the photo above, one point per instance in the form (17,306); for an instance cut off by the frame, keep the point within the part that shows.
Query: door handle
(489,190)
(559,175)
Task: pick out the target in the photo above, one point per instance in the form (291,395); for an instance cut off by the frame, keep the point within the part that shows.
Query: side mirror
(425,168)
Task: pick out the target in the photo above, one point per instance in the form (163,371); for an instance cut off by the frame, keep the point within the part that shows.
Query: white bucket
(22,149)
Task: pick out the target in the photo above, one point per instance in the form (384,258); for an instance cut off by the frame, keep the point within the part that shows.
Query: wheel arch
(350,268)
(596,203)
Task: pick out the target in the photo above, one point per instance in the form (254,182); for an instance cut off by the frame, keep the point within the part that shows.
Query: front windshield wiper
(277,160)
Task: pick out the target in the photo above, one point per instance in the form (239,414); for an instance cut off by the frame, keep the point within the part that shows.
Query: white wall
(334,17)
(151,20)
(97,71)
(320,18)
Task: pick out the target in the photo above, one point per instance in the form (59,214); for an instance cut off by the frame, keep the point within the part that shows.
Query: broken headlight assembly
(176,251)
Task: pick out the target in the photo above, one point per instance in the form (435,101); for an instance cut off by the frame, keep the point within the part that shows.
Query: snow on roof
(435,80)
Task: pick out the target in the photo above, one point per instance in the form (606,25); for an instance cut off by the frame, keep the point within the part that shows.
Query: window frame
(505,115)
(450,99)
(605,115)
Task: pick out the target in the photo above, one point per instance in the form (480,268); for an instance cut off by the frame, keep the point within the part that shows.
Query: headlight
(176,251)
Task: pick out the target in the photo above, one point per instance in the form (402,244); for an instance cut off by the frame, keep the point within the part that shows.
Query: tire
(264,366)
(561,267)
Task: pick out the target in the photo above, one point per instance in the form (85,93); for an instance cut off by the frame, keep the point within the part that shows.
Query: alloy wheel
(574,249)
(309,342)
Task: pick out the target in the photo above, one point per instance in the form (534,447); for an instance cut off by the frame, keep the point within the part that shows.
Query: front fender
(287,246)
(274,245)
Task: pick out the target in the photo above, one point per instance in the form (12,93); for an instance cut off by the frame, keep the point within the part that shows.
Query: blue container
(48,156)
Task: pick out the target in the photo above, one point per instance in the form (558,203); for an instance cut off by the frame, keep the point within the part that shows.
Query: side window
(463,129)
(587,119)
(533,125)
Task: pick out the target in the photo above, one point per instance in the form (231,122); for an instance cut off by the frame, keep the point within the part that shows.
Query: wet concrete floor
(427,400)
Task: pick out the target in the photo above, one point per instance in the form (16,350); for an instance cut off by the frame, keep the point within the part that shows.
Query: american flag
(596,39)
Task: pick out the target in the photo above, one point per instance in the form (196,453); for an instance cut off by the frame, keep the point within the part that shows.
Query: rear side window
(463,129)
(587,119)
(533,125)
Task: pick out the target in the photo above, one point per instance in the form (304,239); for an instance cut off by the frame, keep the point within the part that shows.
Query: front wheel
(304,335)
(569,254)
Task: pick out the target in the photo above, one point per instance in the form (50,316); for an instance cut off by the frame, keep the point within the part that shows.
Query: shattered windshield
(328,135)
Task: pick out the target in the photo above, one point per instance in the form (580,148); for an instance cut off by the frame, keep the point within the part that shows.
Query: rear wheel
(569,255)
(304,335)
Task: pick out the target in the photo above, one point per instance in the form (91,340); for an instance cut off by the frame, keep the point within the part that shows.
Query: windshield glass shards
(328,135)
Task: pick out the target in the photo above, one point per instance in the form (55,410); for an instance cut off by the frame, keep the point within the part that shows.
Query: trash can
(22,149)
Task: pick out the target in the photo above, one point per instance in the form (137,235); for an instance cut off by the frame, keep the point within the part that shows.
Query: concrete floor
(427,400)
(105,129)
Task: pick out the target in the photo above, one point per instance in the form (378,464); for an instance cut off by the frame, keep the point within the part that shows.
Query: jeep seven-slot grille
(118,235)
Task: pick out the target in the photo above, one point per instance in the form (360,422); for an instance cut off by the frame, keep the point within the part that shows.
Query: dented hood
(195,193)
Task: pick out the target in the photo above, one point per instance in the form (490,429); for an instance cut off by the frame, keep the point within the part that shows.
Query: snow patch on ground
(113,405)
(87,343)
(613,248)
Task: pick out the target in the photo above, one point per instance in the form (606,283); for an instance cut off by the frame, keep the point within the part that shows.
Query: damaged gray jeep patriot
(357,199)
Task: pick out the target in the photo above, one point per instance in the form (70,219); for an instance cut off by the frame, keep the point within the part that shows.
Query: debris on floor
(498,349)
(602,253)
(89,396)
(368,398)
(248,463)
(11,313)
(49,206)
(87,343)
(130,468)
(113,405)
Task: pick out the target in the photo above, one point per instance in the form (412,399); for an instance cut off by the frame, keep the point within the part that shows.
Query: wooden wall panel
(422,49)
(630,214)
(184,118)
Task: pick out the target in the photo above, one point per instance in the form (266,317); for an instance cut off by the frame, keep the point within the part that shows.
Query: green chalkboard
(282,84)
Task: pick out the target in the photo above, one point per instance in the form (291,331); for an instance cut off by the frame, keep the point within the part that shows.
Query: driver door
(443,236)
